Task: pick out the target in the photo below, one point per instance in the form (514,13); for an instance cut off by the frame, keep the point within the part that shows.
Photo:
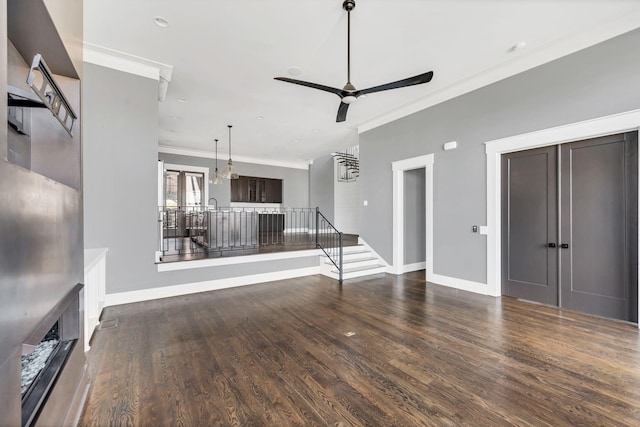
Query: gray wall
(414,216)
(322,186)
(595,82)
(295,182)
(120,182)
(120,169)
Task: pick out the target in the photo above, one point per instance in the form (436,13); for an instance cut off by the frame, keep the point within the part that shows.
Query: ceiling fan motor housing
(349,5)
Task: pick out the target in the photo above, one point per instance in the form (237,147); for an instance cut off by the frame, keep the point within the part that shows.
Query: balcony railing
(196,232)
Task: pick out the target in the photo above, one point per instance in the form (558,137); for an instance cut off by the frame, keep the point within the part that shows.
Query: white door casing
(398,168)
(608,125)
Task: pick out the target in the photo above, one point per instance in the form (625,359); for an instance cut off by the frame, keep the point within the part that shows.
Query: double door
(569,226)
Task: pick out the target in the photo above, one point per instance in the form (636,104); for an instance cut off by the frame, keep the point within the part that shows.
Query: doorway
(398,170)
(414,220)
(569,225)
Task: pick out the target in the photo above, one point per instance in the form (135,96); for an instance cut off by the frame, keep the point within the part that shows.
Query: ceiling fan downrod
(349,5)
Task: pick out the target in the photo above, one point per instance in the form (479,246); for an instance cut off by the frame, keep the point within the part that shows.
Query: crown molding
(302,164)
(520,63)
(131,64)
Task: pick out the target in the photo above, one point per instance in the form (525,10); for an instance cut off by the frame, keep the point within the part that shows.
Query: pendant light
(230,170)
(217,177)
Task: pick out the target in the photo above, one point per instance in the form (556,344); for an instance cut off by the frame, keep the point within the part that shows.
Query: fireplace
(45,355)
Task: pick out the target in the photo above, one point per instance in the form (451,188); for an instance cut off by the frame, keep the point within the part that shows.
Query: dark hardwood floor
(276,354)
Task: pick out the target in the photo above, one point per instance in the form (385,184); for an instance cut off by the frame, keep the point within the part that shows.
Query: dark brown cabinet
(252,189)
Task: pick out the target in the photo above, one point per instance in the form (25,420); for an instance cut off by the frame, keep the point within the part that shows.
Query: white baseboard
(209,285)
(416,266)
(462,284)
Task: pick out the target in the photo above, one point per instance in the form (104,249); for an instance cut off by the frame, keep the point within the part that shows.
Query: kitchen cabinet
(251,189)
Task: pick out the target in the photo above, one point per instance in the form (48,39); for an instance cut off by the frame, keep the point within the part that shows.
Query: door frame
(398,168)
(602,126)
(186,168)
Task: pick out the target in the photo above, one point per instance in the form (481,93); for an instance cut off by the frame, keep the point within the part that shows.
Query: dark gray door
(529,225)
(598,227)
(594,253)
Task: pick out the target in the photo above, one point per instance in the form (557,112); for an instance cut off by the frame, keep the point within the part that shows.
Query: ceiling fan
(349,93)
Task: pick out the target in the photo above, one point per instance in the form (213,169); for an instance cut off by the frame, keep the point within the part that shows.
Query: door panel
(529,218)
(598,182)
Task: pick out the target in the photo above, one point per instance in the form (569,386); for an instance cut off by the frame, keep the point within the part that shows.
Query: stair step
(358,252)
(354,260)
(351,255)
(346,250)
(378,270)
(355,269)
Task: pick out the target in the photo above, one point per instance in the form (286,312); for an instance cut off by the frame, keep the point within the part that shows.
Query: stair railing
(329,239)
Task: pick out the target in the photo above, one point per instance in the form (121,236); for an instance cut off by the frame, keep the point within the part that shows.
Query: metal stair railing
(329,239)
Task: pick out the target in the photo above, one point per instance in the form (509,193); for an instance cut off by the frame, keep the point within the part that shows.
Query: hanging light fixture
(230,170)
(216,178)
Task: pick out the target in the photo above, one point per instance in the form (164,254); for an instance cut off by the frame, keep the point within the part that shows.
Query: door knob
(564,246)
(551,245)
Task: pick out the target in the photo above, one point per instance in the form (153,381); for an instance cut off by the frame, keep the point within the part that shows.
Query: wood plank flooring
(276,354)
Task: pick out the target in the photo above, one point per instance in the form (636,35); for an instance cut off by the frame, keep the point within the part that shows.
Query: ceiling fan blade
(311,85)
(411,81)
(342,112)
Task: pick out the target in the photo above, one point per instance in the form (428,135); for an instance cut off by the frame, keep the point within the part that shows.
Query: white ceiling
(225,54)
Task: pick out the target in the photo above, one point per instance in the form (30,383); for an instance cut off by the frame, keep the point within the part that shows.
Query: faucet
(209,202)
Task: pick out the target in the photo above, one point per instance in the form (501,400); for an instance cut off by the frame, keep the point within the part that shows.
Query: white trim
(160,221)
(186,168)
(416,266)
(453,282)
(398,168)
(412,163)
(93,257)
(245,259)
(206,286)
(131,64)
(299,230)
(608,125)
(521,62)
(301,164)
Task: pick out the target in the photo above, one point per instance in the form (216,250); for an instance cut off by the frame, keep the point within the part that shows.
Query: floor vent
(108,324)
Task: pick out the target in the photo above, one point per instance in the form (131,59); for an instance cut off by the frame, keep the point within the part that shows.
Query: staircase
(356,262)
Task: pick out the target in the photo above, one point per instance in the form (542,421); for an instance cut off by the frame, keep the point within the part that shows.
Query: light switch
(484,230)
(365,203)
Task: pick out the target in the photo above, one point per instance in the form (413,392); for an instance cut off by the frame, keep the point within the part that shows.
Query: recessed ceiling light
(259,118)
(296,140)
(518,46)
(173,118)
(316,130)
(294,71)
(160,22)
(182,100)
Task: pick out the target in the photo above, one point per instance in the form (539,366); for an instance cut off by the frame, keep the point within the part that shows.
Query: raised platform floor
(184,249)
